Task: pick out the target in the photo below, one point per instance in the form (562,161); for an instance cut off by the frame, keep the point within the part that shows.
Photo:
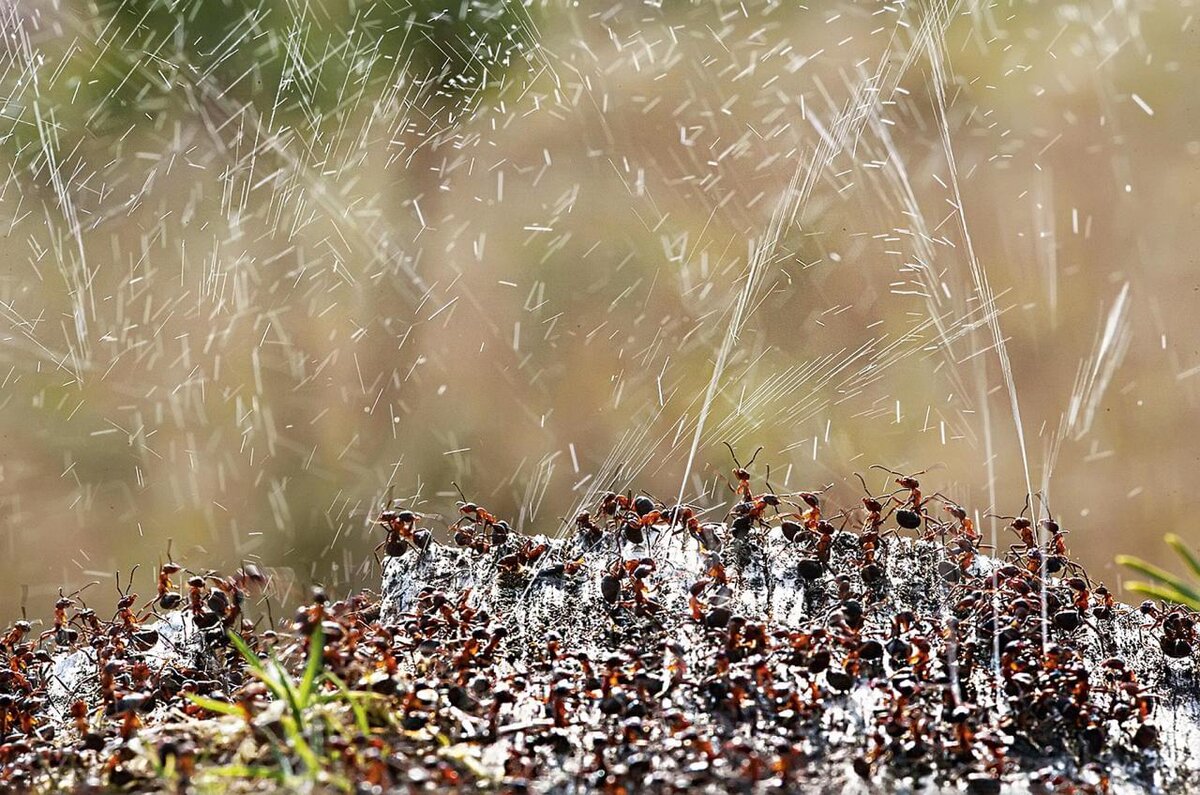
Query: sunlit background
(263,261)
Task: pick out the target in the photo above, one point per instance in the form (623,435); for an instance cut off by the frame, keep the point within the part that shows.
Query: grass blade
(352,698)
(212,705)
(1160,575)
(1162,593)
(316,656)
(1182,550)
(296,740)
(247,653)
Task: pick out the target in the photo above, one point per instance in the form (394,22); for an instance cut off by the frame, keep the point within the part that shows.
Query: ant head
(902,480)
(957,511)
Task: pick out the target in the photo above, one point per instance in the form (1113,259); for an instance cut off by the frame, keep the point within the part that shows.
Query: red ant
(1179,629)
(684,517)
(612,503)
(1022,527)
(63,633)
(589,529)
(527,555)
(401,532)
(742,474)
(472,512)
(16,633)
(125,612)
(910,510)
(965,523)
(1056,546)
(810,516)
(166,596)
(875,518)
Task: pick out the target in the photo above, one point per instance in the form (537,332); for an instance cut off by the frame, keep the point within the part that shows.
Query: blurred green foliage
(1162,584)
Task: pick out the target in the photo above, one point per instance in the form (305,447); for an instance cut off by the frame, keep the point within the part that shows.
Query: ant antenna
(735,461)
(128,587)
(460,491)
(864,483)
(750,463)
(1041,495)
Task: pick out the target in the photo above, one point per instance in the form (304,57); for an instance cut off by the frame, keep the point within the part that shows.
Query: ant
(590,531)
(64,634)
(401,532)
(1022,526)
(612,503)
(527,555)
(742,473)
(1057,547)
(966,525)
(16,633)
(126,601)
(1178,626)
(875,518)
(684,517)
(472,512)
(484,529)
(910,510)
(166,596)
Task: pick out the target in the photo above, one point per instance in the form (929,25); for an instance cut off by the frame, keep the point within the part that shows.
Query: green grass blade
(290,696)
(1162,576)
(247,653)
(300,745)
(352,698)
(1162,593)
(212,705)
(248,771)
(316,656)
(1182,550)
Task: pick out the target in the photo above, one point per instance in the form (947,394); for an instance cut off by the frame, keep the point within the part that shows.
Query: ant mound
(799,657)
(647,652)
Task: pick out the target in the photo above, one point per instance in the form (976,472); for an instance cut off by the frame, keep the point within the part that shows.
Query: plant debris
(647,651)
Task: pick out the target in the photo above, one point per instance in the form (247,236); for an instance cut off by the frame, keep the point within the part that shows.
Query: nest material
(749,667)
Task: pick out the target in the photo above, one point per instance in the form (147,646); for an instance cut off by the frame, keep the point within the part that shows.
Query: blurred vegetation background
(265,261)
